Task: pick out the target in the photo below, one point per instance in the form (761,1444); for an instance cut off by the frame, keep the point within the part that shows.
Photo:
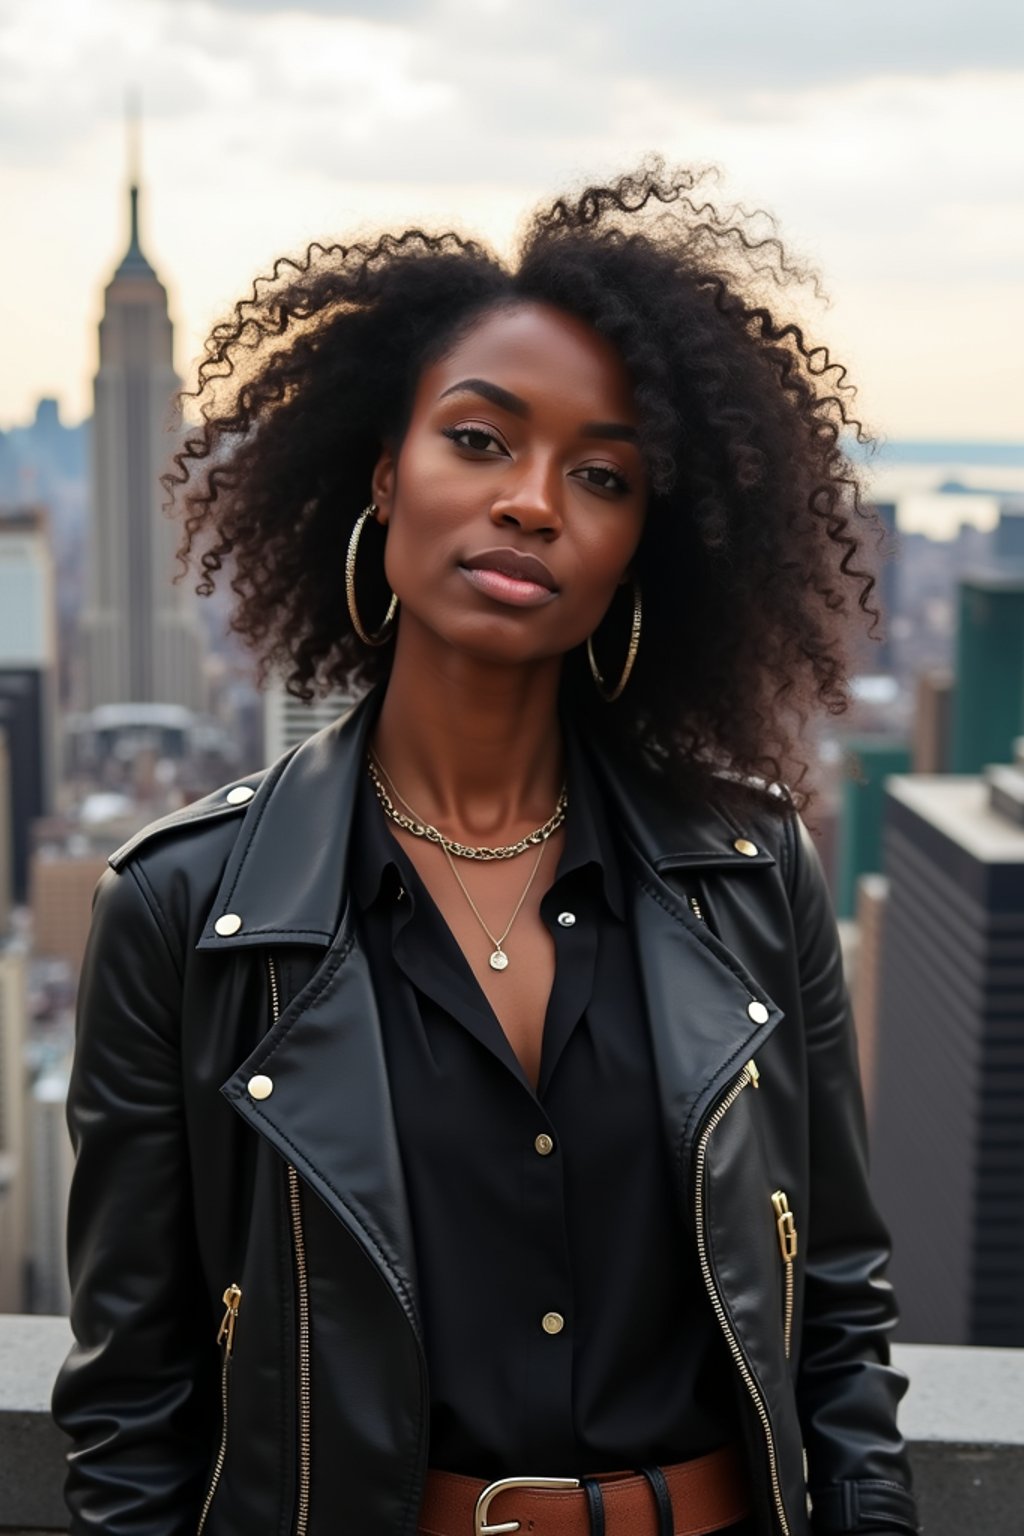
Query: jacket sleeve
(859,1474)
(134,1391)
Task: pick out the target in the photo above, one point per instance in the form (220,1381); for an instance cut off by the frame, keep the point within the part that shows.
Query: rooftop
(960,808)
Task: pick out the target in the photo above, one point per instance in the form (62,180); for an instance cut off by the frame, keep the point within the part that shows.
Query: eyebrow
(504,398)
(492,392)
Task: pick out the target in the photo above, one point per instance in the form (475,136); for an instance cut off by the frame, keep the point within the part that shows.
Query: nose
(531,500)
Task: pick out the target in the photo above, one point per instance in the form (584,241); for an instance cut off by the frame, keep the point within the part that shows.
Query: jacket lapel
(707,1014)
(329,1110)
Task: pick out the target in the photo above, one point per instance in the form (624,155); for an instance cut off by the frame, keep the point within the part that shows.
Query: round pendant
(499,960)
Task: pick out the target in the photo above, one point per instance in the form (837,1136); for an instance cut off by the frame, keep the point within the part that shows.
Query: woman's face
(517,498)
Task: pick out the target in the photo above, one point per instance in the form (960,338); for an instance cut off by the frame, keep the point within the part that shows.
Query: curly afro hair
(751,561)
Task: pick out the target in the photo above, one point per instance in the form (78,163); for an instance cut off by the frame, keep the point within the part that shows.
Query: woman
(468,1130)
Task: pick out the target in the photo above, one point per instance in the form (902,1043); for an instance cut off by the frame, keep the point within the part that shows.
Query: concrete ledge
(31,1445)
(963,1418)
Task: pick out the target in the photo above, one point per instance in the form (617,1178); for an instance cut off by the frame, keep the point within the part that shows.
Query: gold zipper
(302,1298)
(747,1078)
(785,1225)
(226,1341)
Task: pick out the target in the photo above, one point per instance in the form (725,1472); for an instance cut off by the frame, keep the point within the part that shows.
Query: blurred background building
(287,720)
(15,1202)
(948,1076)
(143,640)
(28,681)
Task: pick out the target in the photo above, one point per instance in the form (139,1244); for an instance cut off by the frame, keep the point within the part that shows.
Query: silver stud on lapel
(758,1012)
(259,1087)
(744,845)
(239,795)
(227,925)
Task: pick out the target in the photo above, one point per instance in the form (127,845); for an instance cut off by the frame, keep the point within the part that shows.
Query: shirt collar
(589,850)
(589,844)
(374,866)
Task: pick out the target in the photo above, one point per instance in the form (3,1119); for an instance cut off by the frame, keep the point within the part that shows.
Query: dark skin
(522,437)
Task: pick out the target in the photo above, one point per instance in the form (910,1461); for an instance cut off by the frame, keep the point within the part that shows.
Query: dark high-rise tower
(948,1111)
(142,637)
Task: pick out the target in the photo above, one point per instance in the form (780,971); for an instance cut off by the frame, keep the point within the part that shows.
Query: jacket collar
(284,882)
(669,833)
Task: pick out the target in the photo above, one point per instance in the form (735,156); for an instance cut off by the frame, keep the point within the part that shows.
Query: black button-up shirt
(532,1210)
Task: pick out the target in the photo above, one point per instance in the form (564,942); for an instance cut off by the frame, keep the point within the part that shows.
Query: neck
(475,748)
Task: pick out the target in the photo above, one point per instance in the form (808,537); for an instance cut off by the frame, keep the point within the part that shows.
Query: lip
(528,570)
(508,589)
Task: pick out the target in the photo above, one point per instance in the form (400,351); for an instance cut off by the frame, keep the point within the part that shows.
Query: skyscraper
(52,1164)
(28,681)
(287,721)
(988,699)
(6,836)
(143,637)
(61,890)
(948,1112)
(14,1207)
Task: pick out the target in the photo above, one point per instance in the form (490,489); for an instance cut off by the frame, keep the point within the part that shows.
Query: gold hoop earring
(634,646)
(382,635)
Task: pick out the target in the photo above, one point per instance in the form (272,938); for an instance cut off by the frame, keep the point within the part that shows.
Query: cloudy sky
(888,137)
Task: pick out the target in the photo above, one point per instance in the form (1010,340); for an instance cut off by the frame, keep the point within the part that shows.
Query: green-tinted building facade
(988,701)
(863,805)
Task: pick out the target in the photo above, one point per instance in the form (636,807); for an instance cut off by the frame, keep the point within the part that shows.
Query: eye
(476,439)
(603,478)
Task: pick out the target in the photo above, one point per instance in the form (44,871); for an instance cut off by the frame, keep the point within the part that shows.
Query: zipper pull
(226,1332)
(755,1076)
(695,909)
(785,1225)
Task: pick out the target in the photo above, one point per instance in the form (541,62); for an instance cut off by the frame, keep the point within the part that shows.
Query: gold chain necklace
(498,958)
(382,781)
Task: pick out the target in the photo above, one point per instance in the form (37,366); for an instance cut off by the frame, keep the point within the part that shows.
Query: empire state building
(143,639)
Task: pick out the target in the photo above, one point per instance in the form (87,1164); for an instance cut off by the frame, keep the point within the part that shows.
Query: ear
(382,485)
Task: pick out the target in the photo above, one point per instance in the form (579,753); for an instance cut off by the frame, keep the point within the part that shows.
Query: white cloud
(718,46)
(266,126)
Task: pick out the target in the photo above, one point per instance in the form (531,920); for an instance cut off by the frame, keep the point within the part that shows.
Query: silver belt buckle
(483,1503)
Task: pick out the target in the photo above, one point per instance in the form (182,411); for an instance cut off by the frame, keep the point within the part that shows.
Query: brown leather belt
(707,1494)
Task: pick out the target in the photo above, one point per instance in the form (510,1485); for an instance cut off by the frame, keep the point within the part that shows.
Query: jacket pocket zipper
(747,1078)
(785,1226)
(302,1302)
(226,1341)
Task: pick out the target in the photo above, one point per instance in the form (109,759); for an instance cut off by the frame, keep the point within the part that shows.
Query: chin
(497,645)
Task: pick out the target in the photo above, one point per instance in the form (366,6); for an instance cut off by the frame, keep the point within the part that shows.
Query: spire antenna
(133,261)
(133,147)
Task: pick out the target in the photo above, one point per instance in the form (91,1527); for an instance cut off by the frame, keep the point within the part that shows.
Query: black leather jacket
(231,1112)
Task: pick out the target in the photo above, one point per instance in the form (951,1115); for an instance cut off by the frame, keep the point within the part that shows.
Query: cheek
(421,535)
(608,552)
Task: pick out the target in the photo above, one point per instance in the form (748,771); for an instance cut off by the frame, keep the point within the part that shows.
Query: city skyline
(890,151)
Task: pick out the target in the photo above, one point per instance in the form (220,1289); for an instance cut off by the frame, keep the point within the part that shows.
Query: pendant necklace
(498,959)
